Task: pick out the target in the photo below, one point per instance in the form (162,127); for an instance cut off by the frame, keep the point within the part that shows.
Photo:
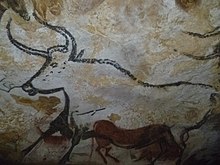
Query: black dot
(63,67)
(51,71)
(54,64)
(175,50)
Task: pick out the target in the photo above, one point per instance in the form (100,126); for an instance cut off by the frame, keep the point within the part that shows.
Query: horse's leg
(98,149)
(162,151)
(107,154)
(147,156)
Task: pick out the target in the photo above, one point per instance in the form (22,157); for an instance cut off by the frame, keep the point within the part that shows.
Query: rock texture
(147,38)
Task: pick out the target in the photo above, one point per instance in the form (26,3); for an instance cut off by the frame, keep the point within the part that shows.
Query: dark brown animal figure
(54,140)
(150,152)
(107,133)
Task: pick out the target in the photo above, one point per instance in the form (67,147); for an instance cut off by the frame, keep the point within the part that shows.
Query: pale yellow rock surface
(144,36)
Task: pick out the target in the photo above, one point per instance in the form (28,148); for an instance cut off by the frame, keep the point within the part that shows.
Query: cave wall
(148,66)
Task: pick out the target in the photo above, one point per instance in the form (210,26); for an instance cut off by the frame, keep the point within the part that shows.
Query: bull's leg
(49,132)
(98,149)
(28,149)
(107,154)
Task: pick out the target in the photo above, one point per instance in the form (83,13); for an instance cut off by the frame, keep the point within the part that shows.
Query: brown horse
(107,133)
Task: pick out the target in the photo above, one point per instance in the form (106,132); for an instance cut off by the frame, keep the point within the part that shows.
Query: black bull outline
(60,123)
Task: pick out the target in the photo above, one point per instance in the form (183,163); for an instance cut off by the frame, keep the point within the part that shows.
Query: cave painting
(216,49)
(43,104)
(154,141)
(106,133)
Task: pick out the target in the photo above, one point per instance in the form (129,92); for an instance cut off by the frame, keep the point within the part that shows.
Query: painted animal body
(107,133)
(54,140)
